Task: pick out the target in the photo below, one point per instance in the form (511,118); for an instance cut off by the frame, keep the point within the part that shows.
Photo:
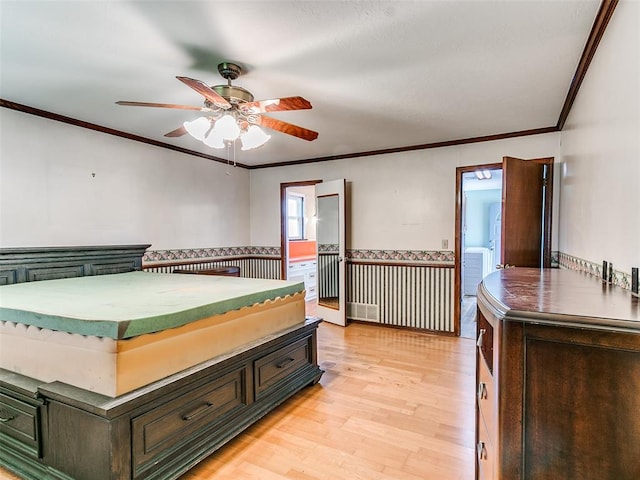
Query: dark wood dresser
(558,378)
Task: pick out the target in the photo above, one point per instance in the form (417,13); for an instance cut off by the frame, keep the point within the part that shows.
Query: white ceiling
(379,74)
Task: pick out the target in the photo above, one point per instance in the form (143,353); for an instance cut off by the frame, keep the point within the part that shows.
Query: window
(295,217)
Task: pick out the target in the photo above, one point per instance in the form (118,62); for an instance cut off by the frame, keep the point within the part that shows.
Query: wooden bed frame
(57,431)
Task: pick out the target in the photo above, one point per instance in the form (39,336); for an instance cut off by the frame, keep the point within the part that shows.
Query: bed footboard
(159,431)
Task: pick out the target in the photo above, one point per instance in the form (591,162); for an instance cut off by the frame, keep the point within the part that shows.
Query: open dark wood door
(523,212)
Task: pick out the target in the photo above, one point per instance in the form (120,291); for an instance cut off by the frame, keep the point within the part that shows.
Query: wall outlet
(445,243)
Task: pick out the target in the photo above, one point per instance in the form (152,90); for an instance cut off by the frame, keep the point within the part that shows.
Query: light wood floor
(392,405)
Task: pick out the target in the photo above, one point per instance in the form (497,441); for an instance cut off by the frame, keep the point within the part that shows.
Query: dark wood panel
(582,412)
(28,264)
(522,210)
(78,444)
(54,273)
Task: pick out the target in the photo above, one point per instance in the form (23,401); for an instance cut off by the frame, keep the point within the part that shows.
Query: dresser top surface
(560,296)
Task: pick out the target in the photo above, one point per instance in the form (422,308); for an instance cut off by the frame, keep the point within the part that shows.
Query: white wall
(479,222)
(140,193)
(600,151)
(402,201)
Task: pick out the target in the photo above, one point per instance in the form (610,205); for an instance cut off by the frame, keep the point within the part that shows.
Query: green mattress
(130,304)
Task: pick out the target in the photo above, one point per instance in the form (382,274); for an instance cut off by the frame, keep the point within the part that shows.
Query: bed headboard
(31,264)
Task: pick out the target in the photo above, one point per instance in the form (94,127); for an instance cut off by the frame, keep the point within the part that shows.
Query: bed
(108,372)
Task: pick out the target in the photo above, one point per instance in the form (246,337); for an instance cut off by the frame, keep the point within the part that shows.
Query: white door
(331,241)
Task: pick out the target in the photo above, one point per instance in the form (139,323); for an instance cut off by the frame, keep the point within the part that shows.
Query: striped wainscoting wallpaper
(328,275)
(251,267)
(411,289)
(414,296)
(254,262)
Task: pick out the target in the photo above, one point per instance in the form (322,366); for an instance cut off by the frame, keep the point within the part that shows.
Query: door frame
(457,269)
(283,221)
(547,218)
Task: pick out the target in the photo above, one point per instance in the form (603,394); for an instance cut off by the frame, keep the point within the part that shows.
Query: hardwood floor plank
(392,405)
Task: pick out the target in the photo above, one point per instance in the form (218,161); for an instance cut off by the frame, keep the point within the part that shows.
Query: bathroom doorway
(525,220)
(481,237)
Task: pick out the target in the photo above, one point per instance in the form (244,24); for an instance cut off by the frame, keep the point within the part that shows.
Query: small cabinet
(304,271)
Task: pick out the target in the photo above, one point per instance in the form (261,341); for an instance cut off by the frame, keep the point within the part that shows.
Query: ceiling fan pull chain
(228,157)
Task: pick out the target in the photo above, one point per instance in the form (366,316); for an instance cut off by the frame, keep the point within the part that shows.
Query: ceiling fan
(232,113)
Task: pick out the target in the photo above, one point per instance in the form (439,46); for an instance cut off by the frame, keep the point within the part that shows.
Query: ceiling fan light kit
(232,113)
(198,128)
(254,138)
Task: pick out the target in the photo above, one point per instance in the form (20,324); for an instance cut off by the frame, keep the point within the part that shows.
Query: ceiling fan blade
(275,105)
(163,105)
(284,127)
(206,91)
(178,132)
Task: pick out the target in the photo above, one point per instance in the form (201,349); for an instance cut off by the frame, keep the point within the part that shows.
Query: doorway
(525,226)
(481,237)
(313,244)
(298,238)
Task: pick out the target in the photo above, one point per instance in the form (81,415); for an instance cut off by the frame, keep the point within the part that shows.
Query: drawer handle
(482,391)
(284,362)
(5,416)
(482,451)
(197,412)
(481,337)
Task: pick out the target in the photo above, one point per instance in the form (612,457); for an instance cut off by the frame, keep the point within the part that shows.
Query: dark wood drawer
(486,397)
(272,368)
(485,340)
(484,453)
(182,420)
(21,421)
